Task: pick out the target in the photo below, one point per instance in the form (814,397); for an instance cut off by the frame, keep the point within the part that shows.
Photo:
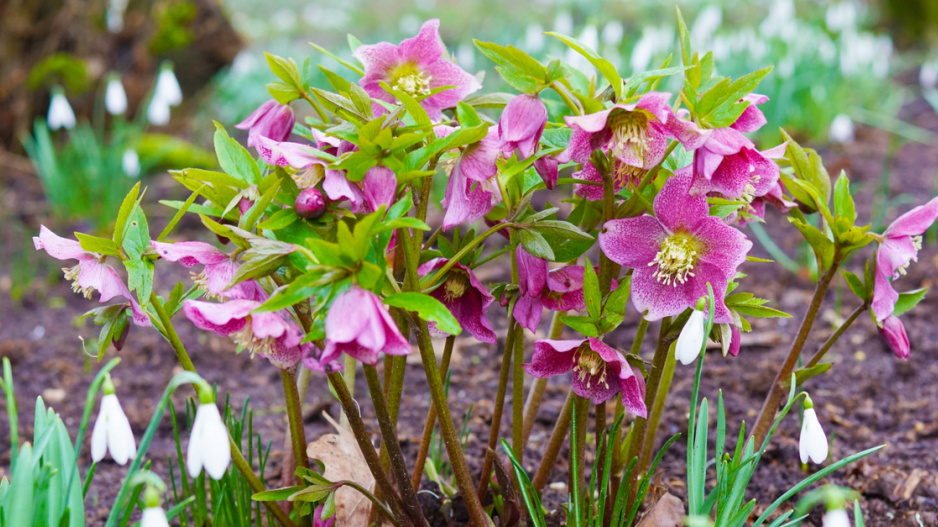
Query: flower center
(456,285)
(589,364)
(675,260)
(72,273)
(628,133)
(246,339)
(901,270)
(201,280)
(625,174)
(408,79)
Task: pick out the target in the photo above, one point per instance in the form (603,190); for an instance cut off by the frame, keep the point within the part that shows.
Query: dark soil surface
(868,398)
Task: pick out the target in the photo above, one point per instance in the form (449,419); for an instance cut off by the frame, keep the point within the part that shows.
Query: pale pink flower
(359,325)
(271,120)
(219,269)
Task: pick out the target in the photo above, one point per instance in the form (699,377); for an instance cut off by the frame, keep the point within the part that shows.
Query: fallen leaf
(344,461)
(667,512)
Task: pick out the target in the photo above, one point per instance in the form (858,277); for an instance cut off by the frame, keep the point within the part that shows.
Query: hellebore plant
(341,259)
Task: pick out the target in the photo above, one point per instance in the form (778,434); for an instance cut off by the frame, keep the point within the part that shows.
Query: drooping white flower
(158,112)
(208,443)
(154,517)
(60,112)
(841,130)
(813,442)
(112,431)
(167,87)
(130,162)
(115,98)
(928,75)
(836,518)
(691,339)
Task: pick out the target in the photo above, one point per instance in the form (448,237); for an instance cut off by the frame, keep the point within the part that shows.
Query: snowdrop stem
(393,447)
(836,335)
(554,444)
(295,417)
(513,330)
(431,419)
(655,411)
(635,351)
(774,397)
(237,457)
(362,436)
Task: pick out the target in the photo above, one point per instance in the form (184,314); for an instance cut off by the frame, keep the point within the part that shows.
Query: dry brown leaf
(343,459)
(667,512)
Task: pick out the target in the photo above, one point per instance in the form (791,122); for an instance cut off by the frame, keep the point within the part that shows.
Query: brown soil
(868,398)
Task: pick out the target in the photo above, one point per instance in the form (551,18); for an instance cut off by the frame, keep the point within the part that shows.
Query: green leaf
(331,55)
(559,228)
(591,294)
(282,92)
(285,69)
(280,494)
(615,303)
(139,268)
(130,201)
(96,244)
(429,309)
(535,244)
(804,374)
(856,285)
(411,105)
(279,220)
(234,159)
(583,325)
(510,55)
(604,66)
(908,300)
(843,201)
(822,246)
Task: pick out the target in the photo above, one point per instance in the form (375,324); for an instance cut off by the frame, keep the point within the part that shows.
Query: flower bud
(521,125)
(60,112)
(691,339)
(835,518)
(310,204)
(271,120)
(167,86)
(130,163)
(893,332)
(115,98)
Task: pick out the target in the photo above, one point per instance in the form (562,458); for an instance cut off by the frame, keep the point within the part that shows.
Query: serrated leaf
(606,69)
(130,201)
(96,244)
(510,55)
(429,309)
(843,201)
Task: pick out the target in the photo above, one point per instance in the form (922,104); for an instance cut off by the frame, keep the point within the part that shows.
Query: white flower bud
(691,339)
(130,162)
(60,112)
(158,112)
(836,518)
(112,431)
(115,98)
(167,87)
(813,443)
(153,517)
(841,130)
(208,443)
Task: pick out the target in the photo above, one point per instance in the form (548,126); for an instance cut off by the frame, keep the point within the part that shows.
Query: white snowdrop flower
(563,23)
(115,98)
(60,112)
(835,518)
(780,19)
(928,75)
(208,443)
(612,33)
(112,431)
(130,162)
(642,52)
(813,442)
(691,339)
(154,517)
(707,22)
(158,112)
(167,86)
(590,36)
(534,38)
(841,16)
(841,130)
(115,21)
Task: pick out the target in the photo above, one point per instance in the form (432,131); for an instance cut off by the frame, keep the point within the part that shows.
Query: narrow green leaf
(591,294)
(604,66)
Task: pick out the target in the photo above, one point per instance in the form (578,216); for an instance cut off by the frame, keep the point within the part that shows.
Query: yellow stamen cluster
(246,339)
(628,132)
(309,177)
(408,79)
(201,280)
(675,260)
(71,274)
(456,285)
(589,364)
(625,174)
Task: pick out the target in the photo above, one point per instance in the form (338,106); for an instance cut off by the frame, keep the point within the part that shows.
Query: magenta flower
(91,274)
(729,164)
(752,117)
(416,67)
(775,197)
(599,371)
(893,332)
(379,187)
(271,335)
(898,248)
(547,167)
(676,253)
(521,125)
(359,325)
(271,120)
(465,297)
(218,272)
(471,191)
(624,175)
(557,290)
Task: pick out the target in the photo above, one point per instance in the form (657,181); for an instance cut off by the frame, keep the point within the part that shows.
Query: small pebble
(53,395)
(559,486)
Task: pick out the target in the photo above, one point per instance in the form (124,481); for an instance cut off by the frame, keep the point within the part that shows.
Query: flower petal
(552,357)
(58,247)
(632,242)
(224,318)
(189,254)
(915,221)
(676,209)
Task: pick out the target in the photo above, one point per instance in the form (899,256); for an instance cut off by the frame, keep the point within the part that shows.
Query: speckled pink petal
(752,118)
(915,221)
(103,279)
(224,318)
(676,209)
(552,357)
(632,242)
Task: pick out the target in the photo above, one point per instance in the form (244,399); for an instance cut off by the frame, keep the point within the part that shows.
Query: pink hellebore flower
(91,274)
(271,120)
(752,117)
(271,335)
(676,253)
(521,125)
(557,290)
(359,325)
(465,297)
(893,332)
(218,272)
(599,371)
(547,167)
(471,191)
(318,521)
(729,163)
(775,197)
(416,67)
(899,247)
